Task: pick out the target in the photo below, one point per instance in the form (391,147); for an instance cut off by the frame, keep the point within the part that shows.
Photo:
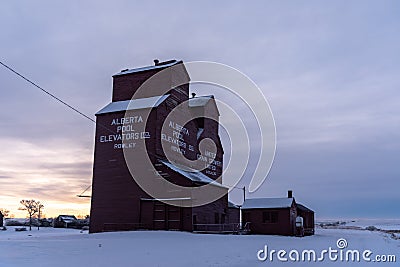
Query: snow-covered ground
(68,247)
(383,224)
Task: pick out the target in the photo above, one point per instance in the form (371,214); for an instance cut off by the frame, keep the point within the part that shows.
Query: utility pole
(240,209)
(39,207)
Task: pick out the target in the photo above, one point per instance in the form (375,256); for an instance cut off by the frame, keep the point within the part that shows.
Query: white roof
(67,218)
(153,67)
(148,102)
(267,203)
(200,101)
(195,176)
(232,205)
(199,132)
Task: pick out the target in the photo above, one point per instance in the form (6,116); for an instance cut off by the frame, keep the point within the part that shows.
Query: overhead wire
(57,99)
(53,96)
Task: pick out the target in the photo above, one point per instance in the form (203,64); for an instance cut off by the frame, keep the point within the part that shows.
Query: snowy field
(383,224)
(68,247)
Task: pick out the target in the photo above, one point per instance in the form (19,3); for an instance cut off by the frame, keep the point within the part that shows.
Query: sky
(329,71)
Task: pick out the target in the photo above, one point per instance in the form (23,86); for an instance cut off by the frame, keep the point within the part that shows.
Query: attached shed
(233,213)
(308,218)
(272,216)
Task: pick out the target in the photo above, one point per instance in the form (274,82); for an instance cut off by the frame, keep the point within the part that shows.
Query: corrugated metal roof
(67,218)
(148,102)
(267,203)
(200,101)
(199,132)
(153,67)
(232,205)
(194,176)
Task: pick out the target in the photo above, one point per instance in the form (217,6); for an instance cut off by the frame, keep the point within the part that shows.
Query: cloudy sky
(330,71)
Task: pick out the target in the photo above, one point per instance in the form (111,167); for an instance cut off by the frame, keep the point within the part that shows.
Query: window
(270,217)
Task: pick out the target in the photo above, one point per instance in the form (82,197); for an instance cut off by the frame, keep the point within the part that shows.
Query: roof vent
(193,95)
(156,61)
(124,70)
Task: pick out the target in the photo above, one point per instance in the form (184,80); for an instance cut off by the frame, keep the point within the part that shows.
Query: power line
(57,99)
(47,92)
(82,194)
(53,96)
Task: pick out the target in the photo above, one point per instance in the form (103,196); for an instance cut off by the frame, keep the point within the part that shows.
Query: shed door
(166,217)
(174,218)
(159,216)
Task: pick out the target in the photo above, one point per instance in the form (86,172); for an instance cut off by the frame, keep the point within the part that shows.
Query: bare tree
(5,212)
(32,207)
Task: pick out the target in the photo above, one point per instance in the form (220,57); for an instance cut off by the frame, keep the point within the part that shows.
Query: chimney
(289,193)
